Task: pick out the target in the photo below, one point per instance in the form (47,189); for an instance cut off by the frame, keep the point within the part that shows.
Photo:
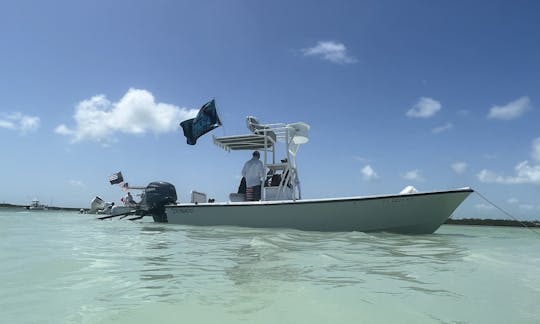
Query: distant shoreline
(492,222)
(48,207)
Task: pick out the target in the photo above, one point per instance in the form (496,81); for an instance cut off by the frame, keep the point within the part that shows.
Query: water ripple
(72,268)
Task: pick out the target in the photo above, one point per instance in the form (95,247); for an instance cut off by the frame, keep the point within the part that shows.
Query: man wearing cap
(253,171)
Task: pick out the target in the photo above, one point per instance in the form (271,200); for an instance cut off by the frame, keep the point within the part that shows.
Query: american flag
(116,178)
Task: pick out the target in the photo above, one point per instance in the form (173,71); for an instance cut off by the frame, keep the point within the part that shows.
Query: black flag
(116,178)
(207,119)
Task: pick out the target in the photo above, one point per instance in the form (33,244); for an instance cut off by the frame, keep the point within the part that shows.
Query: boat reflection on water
(249,267)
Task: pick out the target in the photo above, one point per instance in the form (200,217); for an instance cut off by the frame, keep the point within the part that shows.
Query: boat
(101,207)
(36,205)
(282,205)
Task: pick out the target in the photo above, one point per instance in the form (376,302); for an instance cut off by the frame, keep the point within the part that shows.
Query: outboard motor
(155,197)
(96,204)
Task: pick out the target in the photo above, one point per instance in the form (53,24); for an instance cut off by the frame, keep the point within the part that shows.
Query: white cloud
(63,130)
(484,207)
(523,171)
(536,149)
(334,52)
(442,128)
(526,207)
(76,183)
(369,173)
(137,112)
(361,159)
(459,167)
(512,200)
(413,175)
(19,122)
(7,124)
(511,110)
(424,108)
(488,176)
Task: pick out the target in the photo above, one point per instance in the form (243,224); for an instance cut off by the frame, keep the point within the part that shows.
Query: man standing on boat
(254,173)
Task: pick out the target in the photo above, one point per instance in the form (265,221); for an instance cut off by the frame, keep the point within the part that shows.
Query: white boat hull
(38,208)
(418,213)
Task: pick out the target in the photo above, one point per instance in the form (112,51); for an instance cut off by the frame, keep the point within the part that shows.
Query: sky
(433,94)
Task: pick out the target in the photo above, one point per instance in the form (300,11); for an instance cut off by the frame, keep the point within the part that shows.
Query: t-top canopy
(245,142)
(265,136)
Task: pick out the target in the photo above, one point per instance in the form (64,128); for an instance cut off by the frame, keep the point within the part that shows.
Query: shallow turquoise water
(70,268)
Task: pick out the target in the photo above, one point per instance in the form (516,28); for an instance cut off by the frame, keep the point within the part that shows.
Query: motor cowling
(156,195)
(96,204)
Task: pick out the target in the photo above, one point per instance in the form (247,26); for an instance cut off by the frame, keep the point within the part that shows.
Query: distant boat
(35,205)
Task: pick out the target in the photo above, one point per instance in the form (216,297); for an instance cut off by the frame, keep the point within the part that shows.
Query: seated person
(129,201)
